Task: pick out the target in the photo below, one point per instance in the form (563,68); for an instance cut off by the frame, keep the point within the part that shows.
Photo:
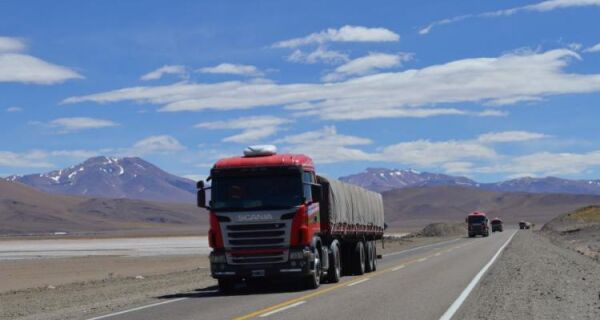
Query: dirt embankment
(443,230)
(535,279)
(578,230)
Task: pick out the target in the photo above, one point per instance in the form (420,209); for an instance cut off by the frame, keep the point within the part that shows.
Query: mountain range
(109,177)
(104,194)
(381,180)
(24,210)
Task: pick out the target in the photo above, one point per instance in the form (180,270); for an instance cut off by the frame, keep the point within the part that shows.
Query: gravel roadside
(535,279)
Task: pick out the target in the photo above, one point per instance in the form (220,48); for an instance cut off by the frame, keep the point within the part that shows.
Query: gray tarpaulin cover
(352,204)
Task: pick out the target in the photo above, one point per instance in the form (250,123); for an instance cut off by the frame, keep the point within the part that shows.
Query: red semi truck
(272,216)
(477,223)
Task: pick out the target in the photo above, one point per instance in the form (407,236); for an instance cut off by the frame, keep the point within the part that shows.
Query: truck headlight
(296,255)
(217,258)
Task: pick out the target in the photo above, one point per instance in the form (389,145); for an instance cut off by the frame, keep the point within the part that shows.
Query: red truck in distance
(497,225)
(273,216)
(477,224)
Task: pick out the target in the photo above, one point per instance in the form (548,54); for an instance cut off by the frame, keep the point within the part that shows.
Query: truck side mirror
(317,192)
(201,196)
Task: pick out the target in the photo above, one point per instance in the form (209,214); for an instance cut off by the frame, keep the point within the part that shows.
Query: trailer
(272,216)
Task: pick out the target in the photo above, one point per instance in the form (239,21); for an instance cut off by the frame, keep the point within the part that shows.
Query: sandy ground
(30,273)
(535,279)
(67,288)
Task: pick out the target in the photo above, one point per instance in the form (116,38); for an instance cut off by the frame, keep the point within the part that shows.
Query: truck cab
(264,213)
(497,225)
(477,224)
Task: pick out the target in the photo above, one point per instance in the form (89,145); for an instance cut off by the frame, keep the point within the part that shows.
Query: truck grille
(256,243)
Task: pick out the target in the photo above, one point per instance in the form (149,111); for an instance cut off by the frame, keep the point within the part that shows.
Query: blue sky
(489,90)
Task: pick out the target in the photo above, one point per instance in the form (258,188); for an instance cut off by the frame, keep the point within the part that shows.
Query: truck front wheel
(226,285)
(359,258)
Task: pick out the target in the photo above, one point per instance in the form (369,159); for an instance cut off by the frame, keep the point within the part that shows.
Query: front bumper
(291,268)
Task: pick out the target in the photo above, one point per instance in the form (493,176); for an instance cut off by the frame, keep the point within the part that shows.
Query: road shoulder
(535,279)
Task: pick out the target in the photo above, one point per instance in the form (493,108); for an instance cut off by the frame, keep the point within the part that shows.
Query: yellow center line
(331,288)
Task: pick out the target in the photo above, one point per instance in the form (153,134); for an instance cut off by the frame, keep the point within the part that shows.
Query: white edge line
(136,309)
(282,309)
(399,267)
(357,282)
(421,247)
(463,295)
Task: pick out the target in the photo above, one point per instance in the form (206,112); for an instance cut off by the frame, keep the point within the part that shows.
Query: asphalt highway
(428,282)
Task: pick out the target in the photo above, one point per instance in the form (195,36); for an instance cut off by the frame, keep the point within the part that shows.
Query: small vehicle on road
(477,224)
(497,225)
(524,225)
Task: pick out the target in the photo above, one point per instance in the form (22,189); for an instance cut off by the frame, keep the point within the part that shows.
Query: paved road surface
(32,249)
(420,283)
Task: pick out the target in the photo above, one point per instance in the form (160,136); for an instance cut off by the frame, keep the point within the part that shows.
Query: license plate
(258,273)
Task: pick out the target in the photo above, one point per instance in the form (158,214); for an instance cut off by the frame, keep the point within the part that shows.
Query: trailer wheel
(313,281)
(335,264)
(226,285)
(369,256)
(374,255)
(359,258)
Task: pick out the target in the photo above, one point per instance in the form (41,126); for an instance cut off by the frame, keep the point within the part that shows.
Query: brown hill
(416,207)
(24,210)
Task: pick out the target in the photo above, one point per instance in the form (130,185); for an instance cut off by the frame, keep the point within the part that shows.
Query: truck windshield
(256,192)
(476,219)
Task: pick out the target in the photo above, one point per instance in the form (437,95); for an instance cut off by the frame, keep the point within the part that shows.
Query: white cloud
(594,48)
(367,65)
(167,69)
(545,164)
(11,45)
(510,136)
(327,146)
(320,54)
(346,33)
(498,80)
(253,128)
(229,68)
(18,160)
(81,123)
(428,153)
(42,158)
(14,109)
(161,144)
(543,6)
(19,67)
(492,113)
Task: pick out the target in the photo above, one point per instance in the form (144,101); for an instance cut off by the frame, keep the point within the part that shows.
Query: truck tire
(226,286)
(335,264)
(359,258)
(374,255)
(369,259)
(313,281)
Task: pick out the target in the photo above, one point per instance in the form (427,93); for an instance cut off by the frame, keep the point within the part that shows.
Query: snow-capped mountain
(111,177)
(546,185)
(380,180)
